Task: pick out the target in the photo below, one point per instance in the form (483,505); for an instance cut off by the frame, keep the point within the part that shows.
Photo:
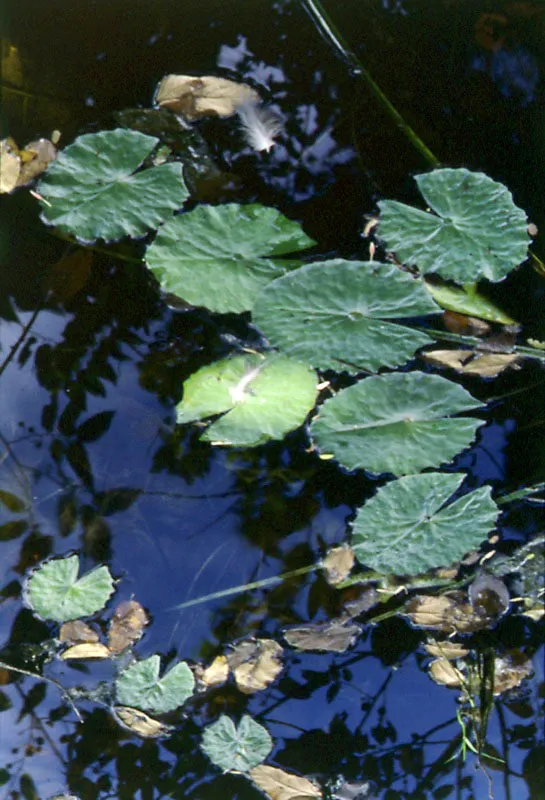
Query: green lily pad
(93,192)
(260,398)
(139,686)
(240,749)
(222,256)
(467,300)
(396,423)
(407,528)
(476,232)
(343,315)
(53,590)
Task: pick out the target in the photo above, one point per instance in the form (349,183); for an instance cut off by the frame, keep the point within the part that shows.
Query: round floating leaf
(396,423)
(222,256)
(241,748)
(476,232)
(342,314)
(140,686)
(260,398)
(93,192)
(407,528)
(53,590)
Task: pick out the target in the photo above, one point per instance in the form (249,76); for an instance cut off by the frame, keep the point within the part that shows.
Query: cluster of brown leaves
(19,167)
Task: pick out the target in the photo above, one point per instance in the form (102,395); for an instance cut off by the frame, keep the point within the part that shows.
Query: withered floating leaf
(510,670)
(86,651)
(469,362)
(280,785)
(255,664)
(77,632)
(215,674)
(10,166)
(445,673)
(127,625)
(335,636)
(338,563)
(36,157)
(137,722)
(206,96)
(448,650)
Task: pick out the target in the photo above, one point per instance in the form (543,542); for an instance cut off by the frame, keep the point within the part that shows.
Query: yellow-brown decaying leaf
(469,362)
(338,563)
(450,613)
(216,674)
(137,722)
(77,632)
(10,165)
(445,673)
(86,651)
(255,663)
(335,636)
(448,650)
(510,670)
(206,96)
(127,625)
(280,785)
(36,157)
(69,275)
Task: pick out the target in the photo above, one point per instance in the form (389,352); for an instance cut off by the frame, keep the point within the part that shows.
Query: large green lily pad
(407,528)
(93,192)
(396,423)
(139,686)
(260,398)
(236,748)
(222,256)
(476,231)
(344,315)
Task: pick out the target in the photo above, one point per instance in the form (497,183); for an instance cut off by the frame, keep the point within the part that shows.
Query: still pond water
(87,400)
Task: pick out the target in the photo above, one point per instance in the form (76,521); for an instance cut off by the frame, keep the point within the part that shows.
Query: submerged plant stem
(328,27)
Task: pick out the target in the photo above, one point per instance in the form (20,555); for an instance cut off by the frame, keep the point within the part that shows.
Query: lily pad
(476,231)
(260,398)
(222,256)
(53,590)
(241,748)
(93,192)
(139,686)
(396,423)
(409,527)
(344,315)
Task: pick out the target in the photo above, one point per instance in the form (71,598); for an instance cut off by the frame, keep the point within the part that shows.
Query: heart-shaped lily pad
(140,686)
(236,748)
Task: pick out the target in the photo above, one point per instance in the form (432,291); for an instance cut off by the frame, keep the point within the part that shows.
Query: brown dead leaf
(85,651)
(10,165)
(36,157)
(448,650)
(255,663)
(77,632)
(450,613)
(510,670)
(335,636)
(445,673)
(470,362)
(206,96)
(280,785)
(69,275)
(462,323)
(338,563)
(137,722)
(216,674)
(127,626)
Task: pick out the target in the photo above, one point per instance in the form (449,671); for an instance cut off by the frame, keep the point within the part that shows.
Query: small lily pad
(139,686)
(53,590)
(93,190)
(476,231)
(231,748)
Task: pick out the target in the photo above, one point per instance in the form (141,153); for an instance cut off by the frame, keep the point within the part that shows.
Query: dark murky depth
(86,404)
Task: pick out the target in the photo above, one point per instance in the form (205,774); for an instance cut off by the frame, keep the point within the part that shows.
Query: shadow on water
(90,458)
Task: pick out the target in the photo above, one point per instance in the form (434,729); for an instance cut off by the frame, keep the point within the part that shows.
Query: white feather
(260,125)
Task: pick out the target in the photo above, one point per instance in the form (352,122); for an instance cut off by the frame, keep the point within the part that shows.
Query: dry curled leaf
(206,96)
(338,563)
(450,613)
(137,722)
(36,157)
(10,165)
(443,672)
(255,664)
(86,651)
(470,362)
(335,636)
(77,632)
(280,785)
(127,625)
(510,670)
(448,650)
(214,675)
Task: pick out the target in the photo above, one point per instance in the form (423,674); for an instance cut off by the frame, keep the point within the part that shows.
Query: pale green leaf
(222,256)
(93,192)
(139,686)
(53,590)
(231,748)
(476,231)
(344,315)
(468,300)
(408,529)
(260,398)
(396,423)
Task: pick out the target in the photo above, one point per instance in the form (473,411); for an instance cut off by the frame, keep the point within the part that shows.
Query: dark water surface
(87,400)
